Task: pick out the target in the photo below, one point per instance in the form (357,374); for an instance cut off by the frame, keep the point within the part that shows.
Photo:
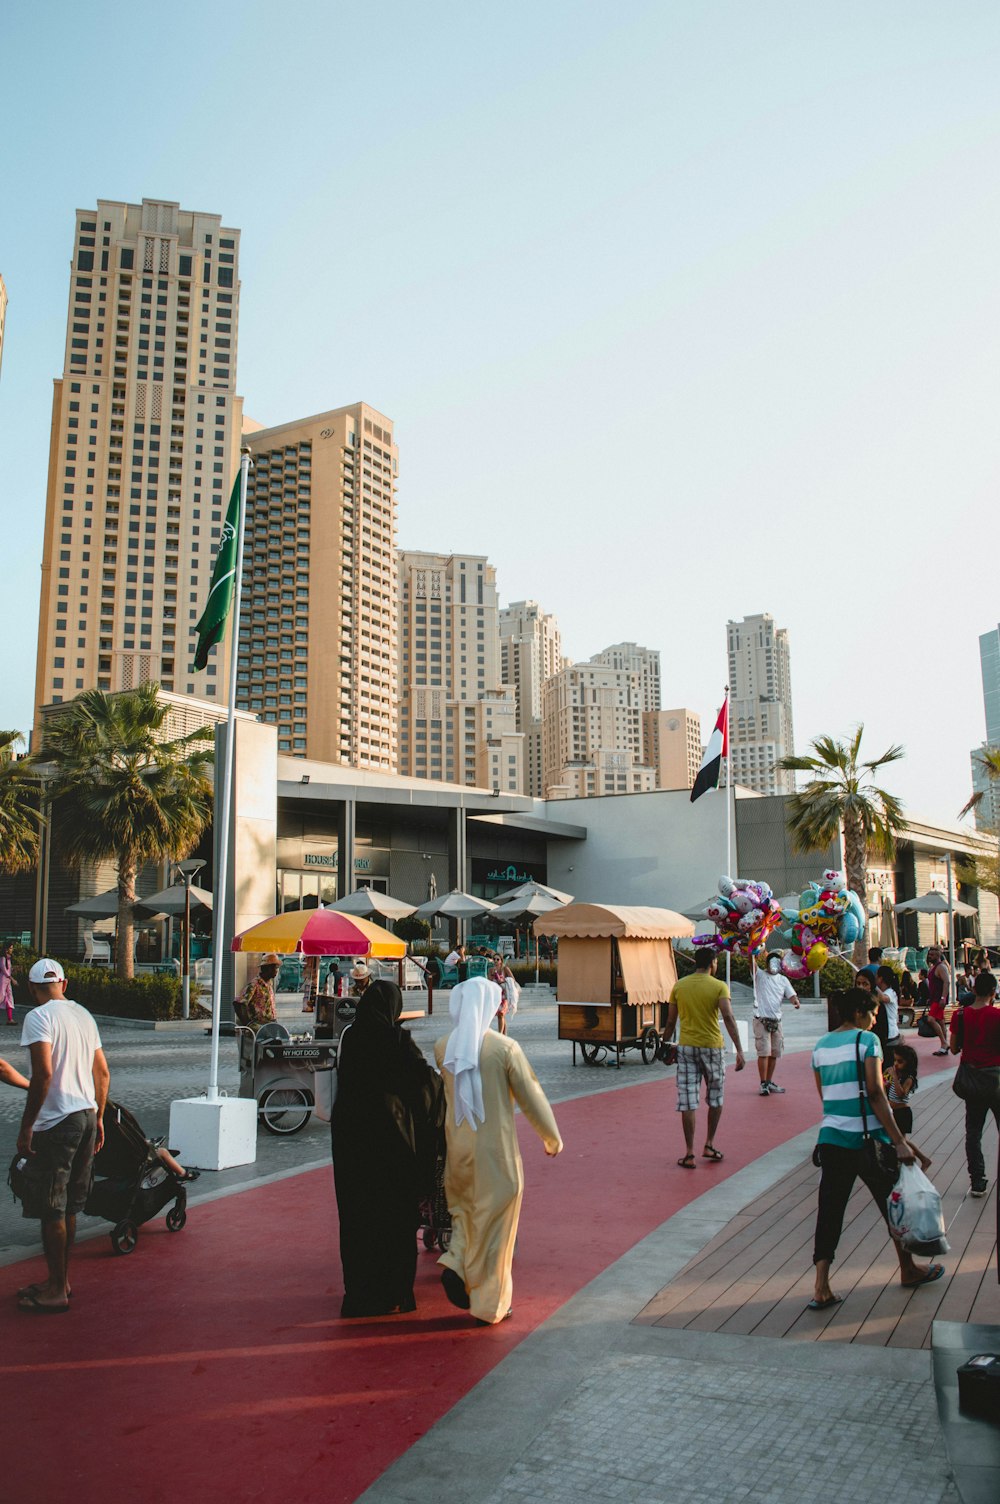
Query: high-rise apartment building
(633,659)
(317,654)
(671,746)
(592,733)
(988,810)
(3,316)
(452,702)
(760,704)
(530,654)
(143,449)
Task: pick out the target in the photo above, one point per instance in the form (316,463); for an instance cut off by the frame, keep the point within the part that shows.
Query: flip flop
(33,1307)
(824,1305)
(933,1273)
(687,1163)
(30,1290)
(712,1153)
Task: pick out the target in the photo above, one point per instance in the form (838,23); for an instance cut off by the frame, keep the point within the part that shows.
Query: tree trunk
(124,962)
(856,862)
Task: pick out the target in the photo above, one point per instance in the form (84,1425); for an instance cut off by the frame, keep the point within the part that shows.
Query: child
(901,1083)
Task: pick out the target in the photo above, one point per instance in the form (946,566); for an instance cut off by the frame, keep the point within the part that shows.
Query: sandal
(712,1153)
(687,1163)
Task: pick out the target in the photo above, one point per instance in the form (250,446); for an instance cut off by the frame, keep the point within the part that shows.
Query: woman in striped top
(842,1061)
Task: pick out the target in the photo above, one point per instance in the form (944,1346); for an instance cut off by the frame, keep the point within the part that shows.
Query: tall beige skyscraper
(143,449)
(760,704)
(671,746)
(592,733)
(530,654)
(3,316)
(457,720)
(643,662)
(317,653)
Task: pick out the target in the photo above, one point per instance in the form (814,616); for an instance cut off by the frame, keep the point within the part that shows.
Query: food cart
(287,1074)
(615,974)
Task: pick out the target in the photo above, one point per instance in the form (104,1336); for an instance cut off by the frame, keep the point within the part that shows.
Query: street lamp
(188,871)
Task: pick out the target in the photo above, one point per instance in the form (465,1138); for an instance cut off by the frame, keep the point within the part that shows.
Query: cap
(46,971)
(360,969)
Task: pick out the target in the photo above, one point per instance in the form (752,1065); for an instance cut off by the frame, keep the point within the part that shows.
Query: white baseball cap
(46,971)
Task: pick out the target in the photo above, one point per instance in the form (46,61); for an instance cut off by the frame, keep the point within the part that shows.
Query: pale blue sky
(681,310)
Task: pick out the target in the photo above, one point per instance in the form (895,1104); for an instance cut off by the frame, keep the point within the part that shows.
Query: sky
(681,311)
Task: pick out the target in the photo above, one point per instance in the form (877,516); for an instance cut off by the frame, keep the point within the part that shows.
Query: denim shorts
(58,1175)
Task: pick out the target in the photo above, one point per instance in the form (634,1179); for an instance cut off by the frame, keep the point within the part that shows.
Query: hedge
(100,991)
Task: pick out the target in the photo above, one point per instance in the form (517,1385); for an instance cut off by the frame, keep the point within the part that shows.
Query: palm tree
(843,796)
(983,871)
(988,759)
(120,792)
(19,817)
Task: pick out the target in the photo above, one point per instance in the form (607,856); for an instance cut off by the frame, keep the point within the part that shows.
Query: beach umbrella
(367,903)
(319,932)
(454,905)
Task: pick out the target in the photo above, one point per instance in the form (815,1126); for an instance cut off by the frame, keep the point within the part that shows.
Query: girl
(901,1083)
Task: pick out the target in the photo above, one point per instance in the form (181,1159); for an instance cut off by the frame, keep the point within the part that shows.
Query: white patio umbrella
(101,906)
(529,907)
(366,903)
(934,903)
(454,905)
(171,900)
(529,890)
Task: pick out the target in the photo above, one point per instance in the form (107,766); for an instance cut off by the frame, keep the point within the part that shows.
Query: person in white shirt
(61,1128)
(886,989)
(770,988)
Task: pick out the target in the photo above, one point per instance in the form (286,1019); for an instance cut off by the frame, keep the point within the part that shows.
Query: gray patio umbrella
(454,905)
(934,903)
(101,906)
(366,903)
(171,900)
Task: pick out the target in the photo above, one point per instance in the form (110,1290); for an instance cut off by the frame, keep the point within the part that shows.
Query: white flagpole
(729,823)
(222,827)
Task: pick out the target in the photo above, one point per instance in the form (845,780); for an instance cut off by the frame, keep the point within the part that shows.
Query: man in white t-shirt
(770,988)
(62,1127)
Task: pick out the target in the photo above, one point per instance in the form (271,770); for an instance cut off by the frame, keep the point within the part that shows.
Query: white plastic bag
(512,993)
(915,1215)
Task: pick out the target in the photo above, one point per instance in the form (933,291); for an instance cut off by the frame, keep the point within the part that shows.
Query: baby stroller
(131,1184)
(435,1218)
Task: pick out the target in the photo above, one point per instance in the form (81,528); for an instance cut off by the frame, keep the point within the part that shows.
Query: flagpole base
(214,1134)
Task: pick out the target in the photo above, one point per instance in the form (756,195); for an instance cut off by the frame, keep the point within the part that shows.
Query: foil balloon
(744,914)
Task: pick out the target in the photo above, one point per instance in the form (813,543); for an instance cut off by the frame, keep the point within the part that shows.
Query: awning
(648,970)
(624,922)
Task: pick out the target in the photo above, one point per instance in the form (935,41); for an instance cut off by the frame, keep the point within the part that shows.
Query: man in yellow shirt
(699,1001)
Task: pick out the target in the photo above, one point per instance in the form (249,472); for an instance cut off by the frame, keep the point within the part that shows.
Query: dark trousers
(975,1122)
(841,1167)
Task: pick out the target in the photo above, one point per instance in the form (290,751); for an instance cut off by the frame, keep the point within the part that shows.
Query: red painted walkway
(213,1361)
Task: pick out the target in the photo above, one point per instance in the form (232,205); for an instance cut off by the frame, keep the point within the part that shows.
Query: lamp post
(188,871)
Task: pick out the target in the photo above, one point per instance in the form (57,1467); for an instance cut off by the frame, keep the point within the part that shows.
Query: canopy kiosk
(292,1078)
(615,974)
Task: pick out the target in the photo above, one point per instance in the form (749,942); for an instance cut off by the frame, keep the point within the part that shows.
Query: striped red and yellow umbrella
(319,932)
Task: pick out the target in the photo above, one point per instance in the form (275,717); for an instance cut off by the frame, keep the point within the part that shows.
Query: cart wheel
(176,1217)
(444,1239)
(428,1237)
(648,1046)
(285,1109)
(592,1054)
(124,1237)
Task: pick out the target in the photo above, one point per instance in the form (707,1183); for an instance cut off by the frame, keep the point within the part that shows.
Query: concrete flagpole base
(214,1134)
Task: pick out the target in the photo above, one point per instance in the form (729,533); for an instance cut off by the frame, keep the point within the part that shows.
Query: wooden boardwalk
(756,1276)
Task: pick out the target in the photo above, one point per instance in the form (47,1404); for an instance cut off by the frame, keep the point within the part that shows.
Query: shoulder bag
(977,1083)
(881,1156)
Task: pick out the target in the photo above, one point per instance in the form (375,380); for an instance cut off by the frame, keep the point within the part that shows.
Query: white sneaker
(763,1090)
(775,1091)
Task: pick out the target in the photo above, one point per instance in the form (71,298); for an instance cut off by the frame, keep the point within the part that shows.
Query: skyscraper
(760,704)
(671,746)
(317,651)
(643,662)
(592,733)
(530,654)
(144,446)
(457,721)
(988,811)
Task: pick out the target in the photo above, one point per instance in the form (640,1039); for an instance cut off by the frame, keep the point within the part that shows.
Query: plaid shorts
(695,1064)
(58,1175)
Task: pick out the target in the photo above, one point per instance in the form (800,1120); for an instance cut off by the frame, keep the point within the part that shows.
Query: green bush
(100,991)
(412,929)
(524,973)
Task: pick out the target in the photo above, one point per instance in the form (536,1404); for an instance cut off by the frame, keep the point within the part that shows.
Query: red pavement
(213,1361)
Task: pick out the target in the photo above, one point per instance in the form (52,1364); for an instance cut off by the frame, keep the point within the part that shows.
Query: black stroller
(435,1218)
(131,1184)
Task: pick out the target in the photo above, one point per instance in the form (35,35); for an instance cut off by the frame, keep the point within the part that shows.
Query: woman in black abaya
(387,1125)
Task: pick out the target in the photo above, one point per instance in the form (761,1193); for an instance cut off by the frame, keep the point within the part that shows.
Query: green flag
(220,598)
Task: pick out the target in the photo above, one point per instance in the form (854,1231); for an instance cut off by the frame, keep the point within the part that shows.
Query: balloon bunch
(744,914)
(828,914)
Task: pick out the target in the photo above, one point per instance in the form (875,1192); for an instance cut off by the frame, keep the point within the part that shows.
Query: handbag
(666,1052)
(881,1156)
(977,1083)
(925,1028)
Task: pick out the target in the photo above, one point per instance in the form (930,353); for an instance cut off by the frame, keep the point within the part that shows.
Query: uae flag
(711,764)
(212,625)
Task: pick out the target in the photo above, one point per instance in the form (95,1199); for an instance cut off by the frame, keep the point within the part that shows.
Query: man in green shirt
(699,1001)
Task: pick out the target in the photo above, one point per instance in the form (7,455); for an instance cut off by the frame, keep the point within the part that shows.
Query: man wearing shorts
(699,1001)
(938,994)
(61,1129)
(770,988)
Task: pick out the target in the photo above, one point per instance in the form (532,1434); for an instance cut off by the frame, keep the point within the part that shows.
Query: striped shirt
(835,1058)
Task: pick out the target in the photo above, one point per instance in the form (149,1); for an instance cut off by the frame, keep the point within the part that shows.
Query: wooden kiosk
(615,974)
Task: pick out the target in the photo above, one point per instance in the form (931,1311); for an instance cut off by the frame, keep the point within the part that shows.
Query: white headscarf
(473,1006)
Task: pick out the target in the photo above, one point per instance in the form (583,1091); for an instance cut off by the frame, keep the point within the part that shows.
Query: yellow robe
(484,1179)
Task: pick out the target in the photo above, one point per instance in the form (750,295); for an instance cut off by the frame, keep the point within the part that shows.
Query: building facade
(530,654)
(592,733)
(633,659)
(760,704)
(451,696)
(318,649)
(144,445)
(671,746)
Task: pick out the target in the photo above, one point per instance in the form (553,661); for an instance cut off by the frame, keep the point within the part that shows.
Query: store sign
(313,859)
(493,872)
